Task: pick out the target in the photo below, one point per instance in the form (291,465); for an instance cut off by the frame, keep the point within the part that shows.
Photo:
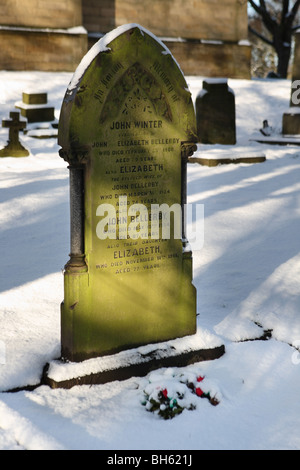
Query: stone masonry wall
(41,13)
(196,19)
(40,50)
(40,35)
(213,28)
(212,60)
(224,21)
(99,15)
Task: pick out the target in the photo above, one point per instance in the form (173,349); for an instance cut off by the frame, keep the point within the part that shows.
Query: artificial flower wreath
(167,394)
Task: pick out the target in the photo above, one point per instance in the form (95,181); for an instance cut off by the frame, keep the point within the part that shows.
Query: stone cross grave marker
(127,126)
(14,148)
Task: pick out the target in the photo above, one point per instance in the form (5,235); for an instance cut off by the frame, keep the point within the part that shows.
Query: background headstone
(40,115)
(35,108)
(14,148)
(127,127)
(215,112)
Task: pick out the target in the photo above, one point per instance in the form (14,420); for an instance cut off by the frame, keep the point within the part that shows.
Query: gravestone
(42,123)
(35,108)
(215,113)
(14,148)
(127,127)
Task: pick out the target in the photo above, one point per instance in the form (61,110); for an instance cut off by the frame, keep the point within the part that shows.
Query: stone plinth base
(42,49)
(14,151)
(221,156)
(36,113)
(42,130)
(135,362)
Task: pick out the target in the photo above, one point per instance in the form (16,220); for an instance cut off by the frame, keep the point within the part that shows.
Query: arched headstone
(127,127)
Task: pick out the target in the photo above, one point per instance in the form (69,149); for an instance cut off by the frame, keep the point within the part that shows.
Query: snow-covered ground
(247,278)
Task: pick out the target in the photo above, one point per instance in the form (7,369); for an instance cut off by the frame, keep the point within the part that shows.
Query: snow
(211,41)
(73,30)
(216,81)
(59,371)
(21,104)
(244,42)
(247,279)
(293,110)
(234,153)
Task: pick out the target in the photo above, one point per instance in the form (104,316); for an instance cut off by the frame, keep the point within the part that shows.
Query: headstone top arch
(129,55)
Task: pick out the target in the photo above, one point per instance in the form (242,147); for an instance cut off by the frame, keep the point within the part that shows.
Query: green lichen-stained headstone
(14,148)
(127,127)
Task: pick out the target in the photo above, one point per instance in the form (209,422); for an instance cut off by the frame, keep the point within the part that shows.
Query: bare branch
(260,36)
(295,8)
(278,19)
(285,10)
(255,7)
(290,17)
(269,22)
(263,4)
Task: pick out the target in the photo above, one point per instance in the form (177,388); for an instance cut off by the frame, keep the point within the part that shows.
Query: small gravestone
(34,107)
(14,148)
(127,127)
(215,113)
(40,116)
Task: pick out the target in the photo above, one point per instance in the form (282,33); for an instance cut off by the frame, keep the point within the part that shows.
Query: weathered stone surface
(127,127)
